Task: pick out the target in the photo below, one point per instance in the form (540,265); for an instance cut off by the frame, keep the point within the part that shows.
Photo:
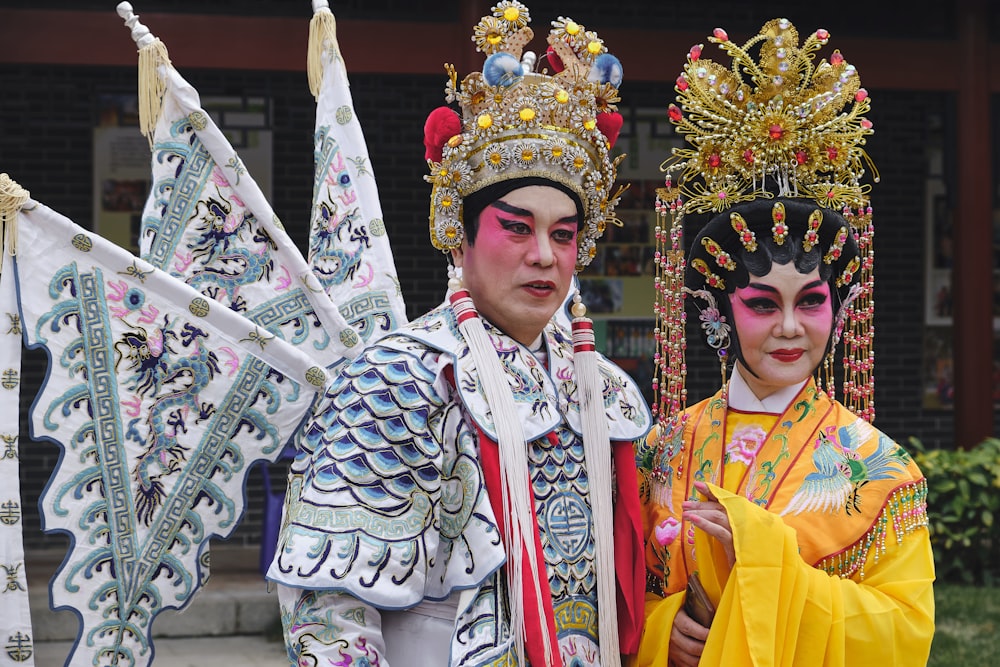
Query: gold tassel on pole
(322,30)
(151,86)
(152,54)
(12,198)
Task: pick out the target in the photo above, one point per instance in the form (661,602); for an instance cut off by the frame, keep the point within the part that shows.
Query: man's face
(520,269)
(783,321)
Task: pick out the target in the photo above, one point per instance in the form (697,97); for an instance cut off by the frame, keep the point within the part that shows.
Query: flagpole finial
(317,5)
(140,33)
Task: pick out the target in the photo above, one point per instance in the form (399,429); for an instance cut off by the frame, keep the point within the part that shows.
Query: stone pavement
(233,620)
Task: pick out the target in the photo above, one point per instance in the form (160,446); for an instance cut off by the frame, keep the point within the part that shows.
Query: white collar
(537,348)
(742,398)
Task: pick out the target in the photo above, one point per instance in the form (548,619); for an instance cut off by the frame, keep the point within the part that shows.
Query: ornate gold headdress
(520,123)
(776,126)
(772,126)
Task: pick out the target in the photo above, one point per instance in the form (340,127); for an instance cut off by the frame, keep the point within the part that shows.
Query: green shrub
(963,497)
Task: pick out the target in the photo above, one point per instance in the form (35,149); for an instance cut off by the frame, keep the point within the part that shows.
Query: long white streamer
(15,617)
(518,516)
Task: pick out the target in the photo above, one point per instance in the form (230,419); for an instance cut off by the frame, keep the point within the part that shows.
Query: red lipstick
(787,356)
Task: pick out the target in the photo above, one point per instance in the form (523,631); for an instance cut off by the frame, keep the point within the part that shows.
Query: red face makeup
(521,266)
(783,321)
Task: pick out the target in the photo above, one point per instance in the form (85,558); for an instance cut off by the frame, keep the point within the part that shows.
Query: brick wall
(52,159)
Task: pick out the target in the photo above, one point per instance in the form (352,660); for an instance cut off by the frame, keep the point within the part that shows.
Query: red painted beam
(279,43)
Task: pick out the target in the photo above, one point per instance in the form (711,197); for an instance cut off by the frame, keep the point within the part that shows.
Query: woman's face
(783,320)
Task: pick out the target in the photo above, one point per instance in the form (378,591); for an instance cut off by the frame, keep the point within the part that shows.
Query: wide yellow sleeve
(654,648)
(776,609)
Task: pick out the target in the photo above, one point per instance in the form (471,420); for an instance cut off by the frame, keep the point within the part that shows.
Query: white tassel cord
(516,492)
(597,450)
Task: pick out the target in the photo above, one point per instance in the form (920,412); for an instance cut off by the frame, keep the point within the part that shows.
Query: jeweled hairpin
(722,258)
(747,237)
(779,229)
(712,279)
(837,247)
(811,236)
(847,275)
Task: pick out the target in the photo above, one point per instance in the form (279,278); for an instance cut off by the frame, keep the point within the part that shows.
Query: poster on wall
(121,170)
(938,356)
(619,281)
(121,157)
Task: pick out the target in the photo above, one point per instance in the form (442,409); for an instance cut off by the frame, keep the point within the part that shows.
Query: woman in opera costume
(776,515)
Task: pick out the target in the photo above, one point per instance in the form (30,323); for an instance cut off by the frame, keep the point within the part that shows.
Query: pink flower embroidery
(745,444)
(667,531)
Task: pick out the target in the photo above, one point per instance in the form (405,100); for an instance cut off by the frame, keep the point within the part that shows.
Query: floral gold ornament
(520,119)
(777,116)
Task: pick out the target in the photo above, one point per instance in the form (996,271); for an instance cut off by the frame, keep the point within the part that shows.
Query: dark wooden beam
(973,266)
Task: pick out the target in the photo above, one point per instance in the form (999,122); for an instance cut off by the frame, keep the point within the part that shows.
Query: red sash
(629,566)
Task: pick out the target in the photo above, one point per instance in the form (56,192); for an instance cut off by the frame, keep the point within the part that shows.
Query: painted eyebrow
(767,288)
(525,213)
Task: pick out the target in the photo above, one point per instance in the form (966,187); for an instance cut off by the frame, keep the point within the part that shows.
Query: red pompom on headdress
(610,124)
(442,124)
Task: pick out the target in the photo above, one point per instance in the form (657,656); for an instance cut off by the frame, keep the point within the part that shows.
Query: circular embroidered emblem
(82,243)
(199,307)
(198,120)
(567,522)
(349,337)
(376,227)
(344,115)
(315,376)
(459,493)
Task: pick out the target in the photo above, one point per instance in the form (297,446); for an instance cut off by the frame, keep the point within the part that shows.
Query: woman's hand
(687,640)
(710,516)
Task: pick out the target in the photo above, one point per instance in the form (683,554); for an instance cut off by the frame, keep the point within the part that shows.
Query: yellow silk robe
(833,558)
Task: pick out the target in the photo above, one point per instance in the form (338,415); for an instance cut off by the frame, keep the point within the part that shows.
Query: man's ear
(456,257)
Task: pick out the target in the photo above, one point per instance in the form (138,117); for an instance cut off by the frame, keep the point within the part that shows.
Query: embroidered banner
(349,248)
(161,400)
(207,223)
